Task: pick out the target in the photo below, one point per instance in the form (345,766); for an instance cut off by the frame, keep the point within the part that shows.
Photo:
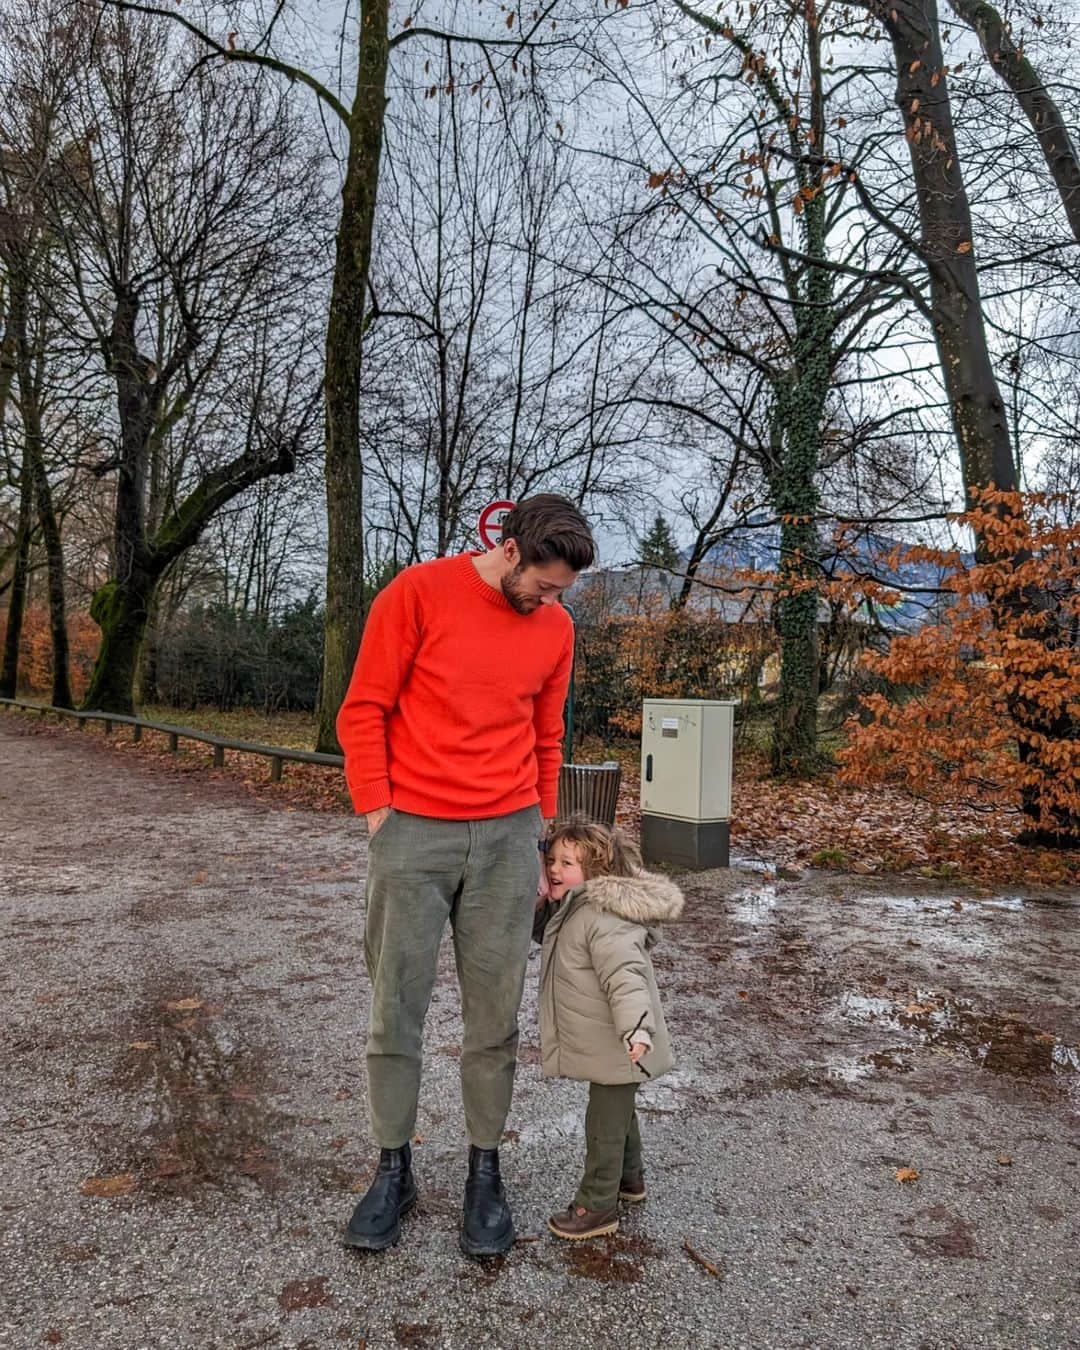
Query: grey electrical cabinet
(686,780)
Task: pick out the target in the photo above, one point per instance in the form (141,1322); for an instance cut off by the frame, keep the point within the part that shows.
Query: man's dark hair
(549,528)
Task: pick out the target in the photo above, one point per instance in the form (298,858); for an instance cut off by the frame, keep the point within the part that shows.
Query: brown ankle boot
(632,1188)
(575,1223)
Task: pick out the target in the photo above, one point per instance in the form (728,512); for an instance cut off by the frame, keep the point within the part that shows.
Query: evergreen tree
(658,548)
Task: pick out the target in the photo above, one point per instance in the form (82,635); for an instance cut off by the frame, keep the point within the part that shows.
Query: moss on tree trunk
(121,614)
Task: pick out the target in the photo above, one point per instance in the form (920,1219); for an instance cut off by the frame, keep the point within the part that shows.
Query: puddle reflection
(199,1112)
(756,906)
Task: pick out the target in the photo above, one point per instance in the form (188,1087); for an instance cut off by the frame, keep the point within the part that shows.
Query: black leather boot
(376,1220)
(486,1226)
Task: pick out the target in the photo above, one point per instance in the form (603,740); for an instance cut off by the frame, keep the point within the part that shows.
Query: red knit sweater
(455,705)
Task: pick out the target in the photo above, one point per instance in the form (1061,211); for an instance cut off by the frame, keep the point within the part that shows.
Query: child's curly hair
(605,850)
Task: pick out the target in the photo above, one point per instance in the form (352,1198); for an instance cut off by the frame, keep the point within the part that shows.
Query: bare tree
(176,213)
(361,121)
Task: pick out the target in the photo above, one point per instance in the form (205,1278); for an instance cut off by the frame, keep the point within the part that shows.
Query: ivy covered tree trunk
(799,416)
(796,498)
(344,470)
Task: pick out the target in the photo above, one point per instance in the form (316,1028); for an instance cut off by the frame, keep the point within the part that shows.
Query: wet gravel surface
(183,1120)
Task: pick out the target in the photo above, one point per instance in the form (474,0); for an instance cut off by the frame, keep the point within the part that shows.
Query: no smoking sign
(491,522)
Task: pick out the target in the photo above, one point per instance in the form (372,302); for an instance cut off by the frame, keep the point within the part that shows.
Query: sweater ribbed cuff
(370,796)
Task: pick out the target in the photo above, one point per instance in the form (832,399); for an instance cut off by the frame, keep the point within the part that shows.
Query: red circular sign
(491,522)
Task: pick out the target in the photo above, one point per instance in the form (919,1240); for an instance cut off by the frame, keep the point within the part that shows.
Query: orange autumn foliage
(987,704)
(35,651)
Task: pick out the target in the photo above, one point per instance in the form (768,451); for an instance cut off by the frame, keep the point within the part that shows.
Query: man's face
(527,588)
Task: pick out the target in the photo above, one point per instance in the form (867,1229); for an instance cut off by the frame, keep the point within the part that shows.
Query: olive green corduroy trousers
(480,876)
(612,1144)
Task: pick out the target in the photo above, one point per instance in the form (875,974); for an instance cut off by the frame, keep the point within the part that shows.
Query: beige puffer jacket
(597,985)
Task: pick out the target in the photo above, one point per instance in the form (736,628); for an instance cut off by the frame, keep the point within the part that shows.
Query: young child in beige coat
(600,1014)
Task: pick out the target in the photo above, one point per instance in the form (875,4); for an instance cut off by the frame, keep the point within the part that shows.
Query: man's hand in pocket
(377,819)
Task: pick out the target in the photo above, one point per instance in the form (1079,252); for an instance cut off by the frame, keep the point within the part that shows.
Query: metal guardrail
(590,790)
(276,754)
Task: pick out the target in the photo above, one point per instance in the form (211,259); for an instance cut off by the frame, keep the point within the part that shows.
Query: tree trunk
(1034,99)
(54,553)
(29,369)
(146,676)
(121,606)
(978,410)
(344,469)
(922,92)
(796,498)
(800,410)
(120,611)
(9,670)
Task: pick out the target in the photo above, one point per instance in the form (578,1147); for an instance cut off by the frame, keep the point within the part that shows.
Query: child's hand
(637,1050)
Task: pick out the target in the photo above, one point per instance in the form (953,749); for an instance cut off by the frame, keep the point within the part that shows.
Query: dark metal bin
(590,790)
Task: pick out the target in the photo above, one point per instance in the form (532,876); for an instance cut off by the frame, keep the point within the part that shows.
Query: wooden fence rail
(276,754)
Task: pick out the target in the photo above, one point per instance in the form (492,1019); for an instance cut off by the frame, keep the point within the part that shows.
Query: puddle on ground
(960,902)
(754,906)
(199,1112)
(999,1044)
(1013,903)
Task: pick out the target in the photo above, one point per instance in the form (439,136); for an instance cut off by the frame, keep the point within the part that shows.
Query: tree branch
(242,54)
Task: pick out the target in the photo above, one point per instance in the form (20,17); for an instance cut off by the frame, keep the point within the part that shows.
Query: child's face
(564,871)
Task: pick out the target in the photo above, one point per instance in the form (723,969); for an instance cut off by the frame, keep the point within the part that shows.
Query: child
(600,1016)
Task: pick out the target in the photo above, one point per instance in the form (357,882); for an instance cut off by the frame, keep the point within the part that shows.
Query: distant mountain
(757,548)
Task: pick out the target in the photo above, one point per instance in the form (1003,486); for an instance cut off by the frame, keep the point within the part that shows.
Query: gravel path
(184,1122)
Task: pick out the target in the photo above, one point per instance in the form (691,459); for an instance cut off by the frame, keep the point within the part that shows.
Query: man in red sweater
(452,732)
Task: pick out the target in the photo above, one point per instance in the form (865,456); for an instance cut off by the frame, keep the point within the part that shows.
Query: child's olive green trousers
(480,875)
(612,1145)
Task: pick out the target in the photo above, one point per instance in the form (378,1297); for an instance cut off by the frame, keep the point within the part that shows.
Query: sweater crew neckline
(478,584)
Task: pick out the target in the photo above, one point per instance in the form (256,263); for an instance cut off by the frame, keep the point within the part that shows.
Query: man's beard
(510,583)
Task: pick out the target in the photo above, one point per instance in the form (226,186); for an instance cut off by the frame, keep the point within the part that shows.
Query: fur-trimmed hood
(646,898)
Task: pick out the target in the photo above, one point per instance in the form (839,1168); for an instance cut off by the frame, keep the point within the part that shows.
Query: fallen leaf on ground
(141,1045)
(906,1174)
(104,1187)
(1004,1160)
(185,1004)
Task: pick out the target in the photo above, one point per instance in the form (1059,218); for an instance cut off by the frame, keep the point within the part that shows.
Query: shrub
(992,706)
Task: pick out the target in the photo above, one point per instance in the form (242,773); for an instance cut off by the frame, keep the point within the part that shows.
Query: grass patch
(830,857)
(291,730)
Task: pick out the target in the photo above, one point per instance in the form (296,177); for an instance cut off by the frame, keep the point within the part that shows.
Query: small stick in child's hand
(701,1260)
